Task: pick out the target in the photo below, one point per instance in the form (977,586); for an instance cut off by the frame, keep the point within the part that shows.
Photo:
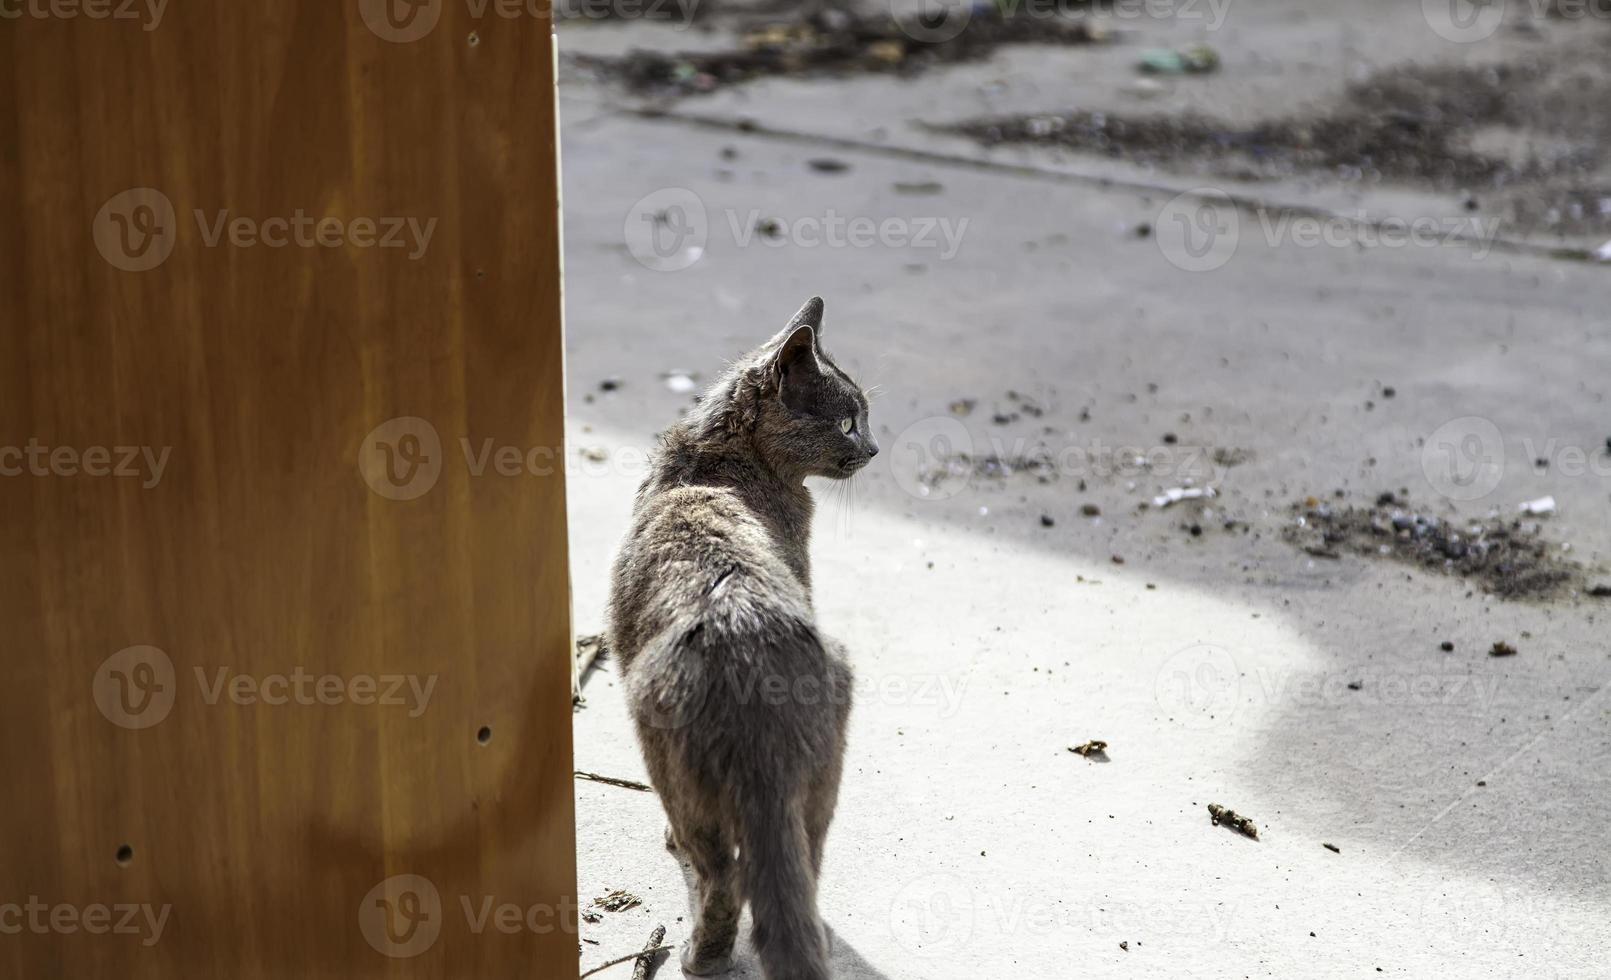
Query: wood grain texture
(261,550)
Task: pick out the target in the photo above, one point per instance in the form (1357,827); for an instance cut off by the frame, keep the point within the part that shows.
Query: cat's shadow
(844,962)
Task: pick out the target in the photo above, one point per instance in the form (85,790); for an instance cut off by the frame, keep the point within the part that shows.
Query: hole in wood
(125,854)
(484,735)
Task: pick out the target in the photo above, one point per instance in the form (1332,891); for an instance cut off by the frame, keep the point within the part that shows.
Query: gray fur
(740,703)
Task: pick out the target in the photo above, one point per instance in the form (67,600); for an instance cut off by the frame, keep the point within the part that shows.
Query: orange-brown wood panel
(286,686)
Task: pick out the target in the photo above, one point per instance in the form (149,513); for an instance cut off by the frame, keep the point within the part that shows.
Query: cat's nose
(872,449)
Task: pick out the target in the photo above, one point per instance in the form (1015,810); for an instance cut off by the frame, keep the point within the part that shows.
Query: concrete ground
(1467,796)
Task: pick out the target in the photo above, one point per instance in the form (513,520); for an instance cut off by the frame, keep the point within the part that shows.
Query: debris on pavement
(615,781)
(1175,495)
(680,382)
(1501,649)
(643,961)
(1603,253)
(1539,507)
(1230,818)
(1194,59)
(1087,749)
(1509,558)
(835,41)
(644,967)
(1333,848)
(617,901)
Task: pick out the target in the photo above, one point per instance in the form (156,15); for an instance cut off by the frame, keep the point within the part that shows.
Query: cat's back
(699,553)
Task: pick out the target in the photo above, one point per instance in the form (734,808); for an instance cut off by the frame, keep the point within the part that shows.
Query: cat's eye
(845,425)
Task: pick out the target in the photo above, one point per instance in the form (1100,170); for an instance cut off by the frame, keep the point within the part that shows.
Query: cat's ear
(797,354)
(810,315)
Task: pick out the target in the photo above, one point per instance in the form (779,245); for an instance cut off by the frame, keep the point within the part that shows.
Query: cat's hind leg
(710,851)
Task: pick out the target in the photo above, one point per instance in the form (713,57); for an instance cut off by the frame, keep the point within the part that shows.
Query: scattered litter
(963,406)
(1539,507)
(615,781)
(828,165)
(1603,253)
(1090,510)
(1501,649)
(617,901)
(680,382)
(835,41)
(1333,848)
(594,454)
(609,384)
(1175,495)
(1510,558)
(919,188)
(1195,59)
(1230,818)
(1094,747)
(1046,520)
(1447,646)
(643,962)
(1124,945)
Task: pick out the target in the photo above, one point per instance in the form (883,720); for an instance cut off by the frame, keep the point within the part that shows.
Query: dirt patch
(832,41)
(1542,127)
(1510,559)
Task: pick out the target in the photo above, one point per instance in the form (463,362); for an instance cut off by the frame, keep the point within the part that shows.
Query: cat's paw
(696,966)
(671,838)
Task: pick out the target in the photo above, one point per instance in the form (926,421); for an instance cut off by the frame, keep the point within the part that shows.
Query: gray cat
(740,703)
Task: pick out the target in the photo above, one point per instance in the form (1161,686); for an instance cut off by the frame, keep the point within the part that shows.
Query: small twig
(646,958)
(630,956)
(1230,818)
(1094,747)
(613,781)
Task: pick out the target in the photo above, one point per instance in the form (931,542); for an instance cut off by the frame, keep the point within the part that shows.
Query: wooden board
(248,669)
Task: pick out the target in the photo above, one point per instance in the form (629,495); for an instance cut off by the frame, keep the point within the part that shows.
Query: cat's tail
(775,860)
